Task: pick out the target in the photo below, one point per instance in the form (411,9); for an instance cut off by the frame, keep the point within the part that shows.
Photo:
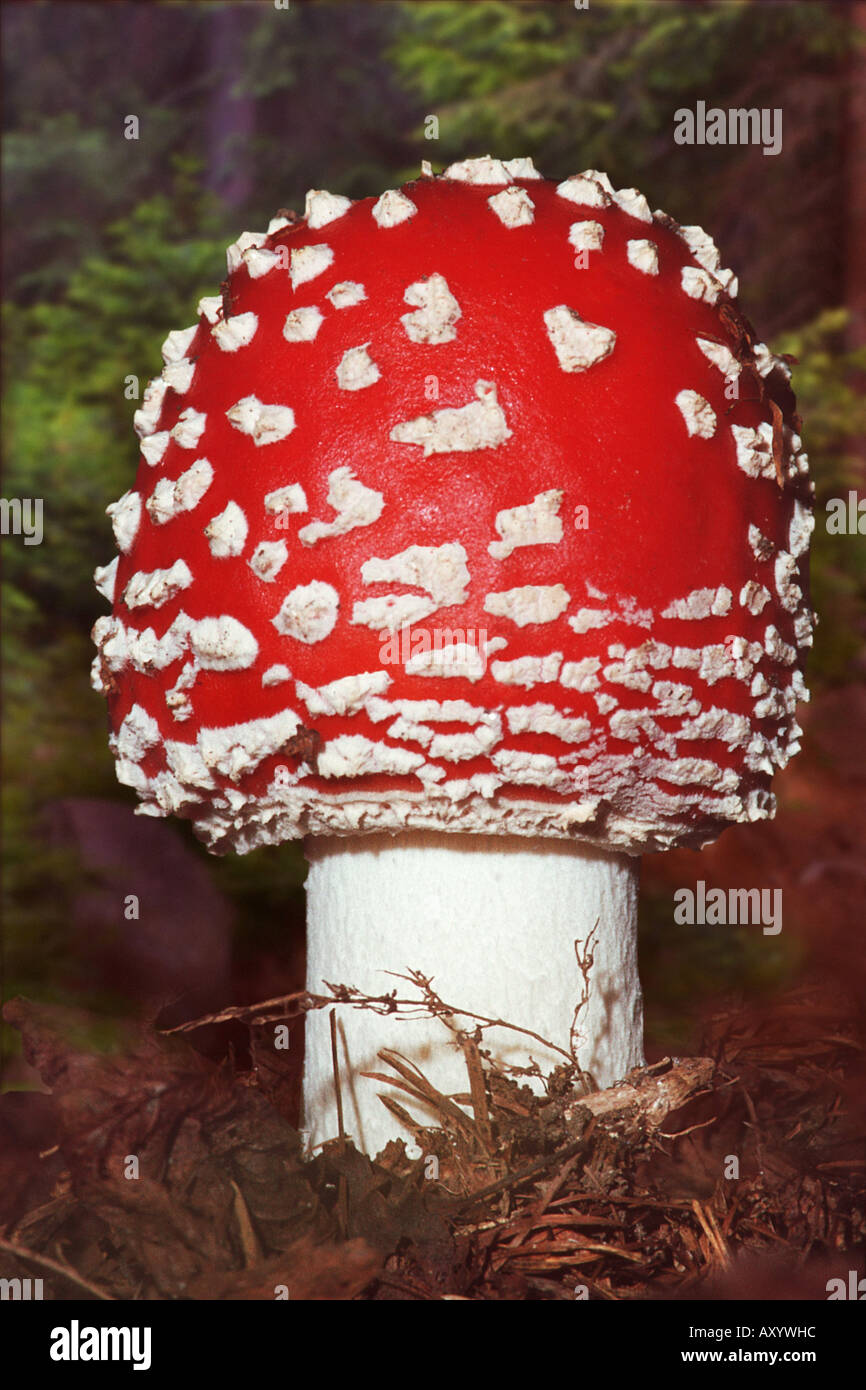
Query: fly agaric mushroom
(468,544)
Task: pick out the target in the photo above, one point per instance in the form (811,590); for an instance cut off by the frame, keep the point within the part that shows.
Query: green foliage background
(109,243)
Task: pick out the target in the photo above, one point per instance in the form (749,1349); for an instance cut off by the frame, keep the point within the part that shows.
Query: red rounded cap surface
(474,507)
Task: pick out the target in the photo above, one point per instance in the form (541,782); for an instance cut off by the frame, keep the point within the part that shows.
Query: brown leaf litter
(681,1181)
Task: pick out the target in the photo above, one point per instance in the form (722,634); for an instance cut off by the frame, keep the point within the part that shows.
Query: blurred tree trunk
(855,249)
(230,118)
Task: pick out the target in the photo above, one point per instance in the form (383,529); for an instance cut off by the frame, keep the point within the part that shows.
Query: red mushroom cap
(473,507)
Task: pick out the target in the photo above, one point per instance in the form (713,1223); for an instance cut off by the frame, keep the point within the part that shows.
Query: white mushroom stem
(500,924)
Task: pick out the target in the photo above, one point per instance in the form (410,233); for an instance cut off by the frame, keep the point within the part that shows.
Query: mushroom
(468,545)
